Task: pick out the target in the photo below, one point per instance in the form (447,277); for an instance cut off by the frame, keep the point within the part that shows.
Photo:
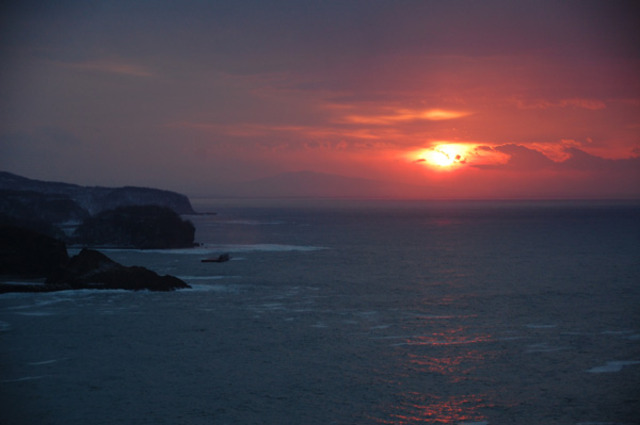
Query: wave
(25,378)
(613,366)
(190,278)
(203,287)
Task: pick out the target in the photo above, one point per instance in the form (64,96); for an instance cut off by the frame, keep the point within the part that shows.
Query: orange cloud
(404,115)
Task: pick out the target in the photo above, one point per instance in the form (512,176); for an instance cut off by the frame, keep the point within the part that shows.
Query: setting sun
(446,155)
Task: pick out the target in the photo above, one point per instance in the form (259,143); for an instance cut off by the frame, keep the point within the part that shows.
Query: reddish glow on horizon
(448,103)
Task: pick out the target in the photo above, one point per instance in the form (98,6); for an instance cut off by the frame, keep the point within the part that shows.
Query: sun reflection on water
(456,369)
(434,409)
(454,336)
(439,374)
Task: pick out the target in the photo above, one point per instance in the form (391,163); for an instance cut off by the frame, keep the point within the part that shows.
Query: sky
(455,99)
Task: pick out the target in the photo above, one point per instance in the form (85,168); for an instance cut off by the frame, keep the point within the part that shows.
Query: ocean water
(349,312)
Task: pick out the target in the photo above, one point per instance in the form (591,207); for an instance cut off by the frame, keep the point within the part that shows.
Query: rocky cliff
(96,199)
(131,217)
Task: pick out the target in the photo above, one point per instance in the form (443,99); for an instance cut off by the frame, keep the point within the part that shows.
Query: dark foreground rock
(28,255)
(93,270)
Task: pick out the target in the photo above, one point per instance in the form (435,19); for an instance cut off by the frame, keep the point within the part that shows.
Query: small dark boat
(220,259)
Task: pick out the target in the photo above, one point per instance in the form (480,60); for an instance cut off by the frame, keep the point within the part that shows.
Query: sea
(348,312)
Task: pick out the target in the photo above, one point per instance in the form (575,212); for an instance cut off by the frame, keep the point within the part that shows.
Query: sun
(442,156)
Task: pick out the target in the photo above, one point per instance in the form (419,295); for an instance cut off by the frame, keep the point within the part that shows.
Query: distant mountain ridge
(95,199)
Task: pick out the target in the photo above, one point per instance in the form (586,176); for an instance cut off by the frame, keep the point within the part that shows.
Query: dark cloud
(526,160)
(582,161)
(522,158)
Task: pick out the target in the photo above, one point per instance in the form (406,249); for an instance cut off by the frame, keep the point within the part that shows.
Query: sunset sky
(462,99)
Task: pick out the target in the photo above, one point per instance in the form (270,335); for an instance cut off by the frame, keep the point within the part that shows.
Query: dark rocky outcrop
(25,254)
(143,227)
(29,254)
(93,270)
(131,217)
(43,212)
(49,207)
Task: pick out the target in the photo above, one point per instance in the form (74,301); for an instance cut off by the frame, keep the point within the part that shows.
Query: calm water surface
(336,312)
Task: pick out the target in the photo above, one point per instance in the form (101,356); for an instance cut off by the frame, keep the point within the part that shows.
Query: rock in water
(91,269)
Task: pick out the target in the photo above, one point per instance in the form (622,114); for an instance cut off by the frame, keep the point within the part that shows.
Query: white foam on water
(24,283)
(201,287)
(52,300)
(511,338)
(25,378)
(542,347)
(625,332)
(596,423)
(44,362)
(272,306)
(613,366)
(190,278)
